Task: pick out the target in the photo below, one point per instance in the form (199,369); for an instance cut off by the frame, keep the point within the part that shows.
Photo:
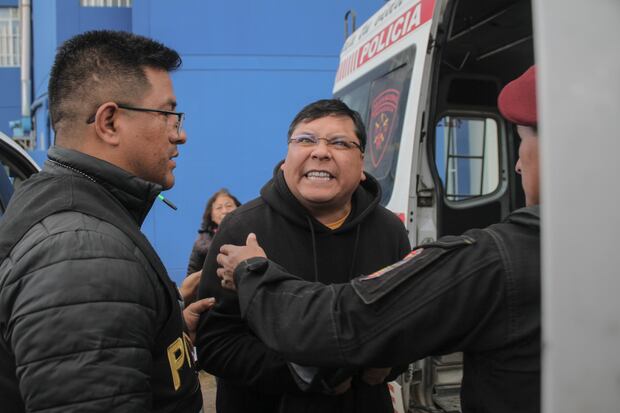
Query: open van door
(425,76)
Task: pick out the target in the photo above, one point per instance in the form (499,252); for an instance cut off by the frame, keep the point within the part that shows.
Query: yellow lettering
(176,358)
(187,344)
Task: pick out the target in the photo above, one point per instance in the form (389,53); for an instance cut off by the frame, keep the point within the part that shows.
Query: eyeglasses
(337,143)
(178,125)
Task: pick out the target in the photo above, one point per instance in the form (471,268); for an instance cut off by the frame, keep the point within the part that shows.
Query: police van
(425,76)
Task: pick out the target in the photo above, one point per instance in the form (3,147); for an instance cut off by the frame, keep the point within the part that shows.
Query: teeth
(319,175)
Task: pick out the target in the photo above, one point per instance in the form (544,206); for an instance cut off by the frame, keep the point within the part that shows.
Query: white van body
(425,75)
(399,25)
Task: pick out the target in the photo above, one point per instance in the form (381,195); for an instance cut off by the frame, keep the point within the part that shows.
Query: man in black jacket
(320,216)
(478,293)
(89,319)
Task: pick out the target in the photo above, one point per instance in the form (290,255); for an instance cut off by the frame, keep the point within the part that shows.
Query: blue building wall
(10,106)
(248,68)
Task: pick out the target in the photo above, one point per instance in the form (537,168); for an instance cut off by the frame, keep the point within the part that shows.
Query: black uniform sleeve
(226,346)
(435,301)
(81,325)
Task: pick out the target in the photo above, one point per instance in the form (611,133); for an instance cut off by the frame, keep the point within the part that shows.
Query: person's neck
(98,149)
(84,146)
(329,215)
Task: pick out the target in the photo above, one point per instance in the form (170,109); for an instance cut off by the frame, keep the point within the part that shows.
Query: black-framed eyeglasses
(308,140)
(180,115)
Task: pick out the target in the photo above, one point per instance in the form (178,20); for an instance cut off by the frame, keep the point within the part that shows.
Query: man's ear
(363,176)
(106,123)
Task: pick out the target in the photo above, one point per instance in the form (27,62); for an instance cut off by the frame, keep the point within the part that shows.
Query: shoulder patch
(383,270)
(373,287)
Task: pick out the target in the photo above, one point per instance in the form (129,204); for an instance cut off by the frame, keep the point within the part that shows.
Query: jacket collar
(527,216)
(135,194)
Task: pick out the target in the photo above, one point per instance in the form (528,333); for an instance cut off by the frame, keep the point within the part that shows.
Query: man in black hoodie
(478,293)
(319,217)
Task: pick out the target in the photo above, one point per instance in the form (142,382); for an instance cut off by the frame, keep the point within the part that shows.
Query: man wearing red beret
(478,293)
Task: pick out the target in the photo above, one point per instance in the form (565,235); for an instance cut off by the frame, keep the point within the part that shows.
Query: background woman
(220,204)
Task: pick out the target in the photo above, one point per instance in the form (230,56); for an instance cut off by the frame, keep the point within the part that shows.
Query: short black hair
(330,107)
(101,65)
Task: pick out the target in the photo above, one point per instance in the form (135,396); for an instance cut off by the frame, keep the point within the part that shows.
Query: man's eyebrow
(170,104)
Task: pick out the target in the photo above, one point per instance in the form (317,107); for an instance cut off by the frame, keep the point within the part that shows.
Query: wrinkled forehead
(329,125)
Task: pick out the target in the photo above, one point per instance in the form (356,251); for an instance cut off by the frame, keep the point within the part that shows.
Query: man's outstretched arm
(433,302)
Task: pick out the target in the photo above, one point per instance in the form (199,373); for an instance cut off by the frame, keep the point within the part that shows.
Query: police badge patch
(383,117)
(371,288)
(383,270)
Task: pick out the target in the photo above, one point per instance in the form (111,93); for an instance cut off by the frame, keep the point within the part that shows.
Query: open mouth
(319,176)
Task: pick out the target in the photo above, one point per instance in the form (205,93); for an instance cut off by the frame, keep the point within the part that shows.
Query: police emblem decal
(383,115)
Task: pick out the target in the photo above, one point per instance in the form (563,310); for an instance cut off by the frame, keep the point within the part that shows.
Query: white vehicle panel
(398,26)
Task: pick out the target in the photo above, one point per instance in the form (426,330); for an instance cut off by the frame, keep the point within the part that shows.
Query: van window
(380,97)
(467,156)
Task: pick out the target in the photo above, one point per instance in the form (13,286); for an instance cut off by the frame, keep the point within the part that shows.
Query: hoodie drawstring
(316,264)
(357,238)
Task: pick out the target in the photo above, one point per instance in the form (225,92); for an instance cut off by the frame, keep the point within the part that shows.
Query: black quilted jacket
(89,320)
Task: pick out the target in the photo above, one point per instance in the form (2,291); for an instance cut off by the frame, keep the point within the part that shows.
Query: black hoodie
(253,377)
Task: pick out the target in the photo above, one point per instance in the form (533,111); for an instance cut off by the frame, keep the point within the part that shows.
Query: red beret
(517,100)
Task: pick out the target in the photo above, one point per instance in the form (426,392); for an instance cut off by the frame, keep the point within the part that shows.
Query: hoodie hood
(278,196)
(364,201)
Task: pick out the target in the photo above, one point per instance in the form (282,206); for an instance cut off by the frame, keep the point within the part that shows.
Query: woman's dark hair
(207,223)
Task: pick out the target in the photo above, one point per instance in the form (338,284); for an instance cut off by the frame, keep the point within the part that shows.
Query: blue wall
(10,106)
(248,68)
